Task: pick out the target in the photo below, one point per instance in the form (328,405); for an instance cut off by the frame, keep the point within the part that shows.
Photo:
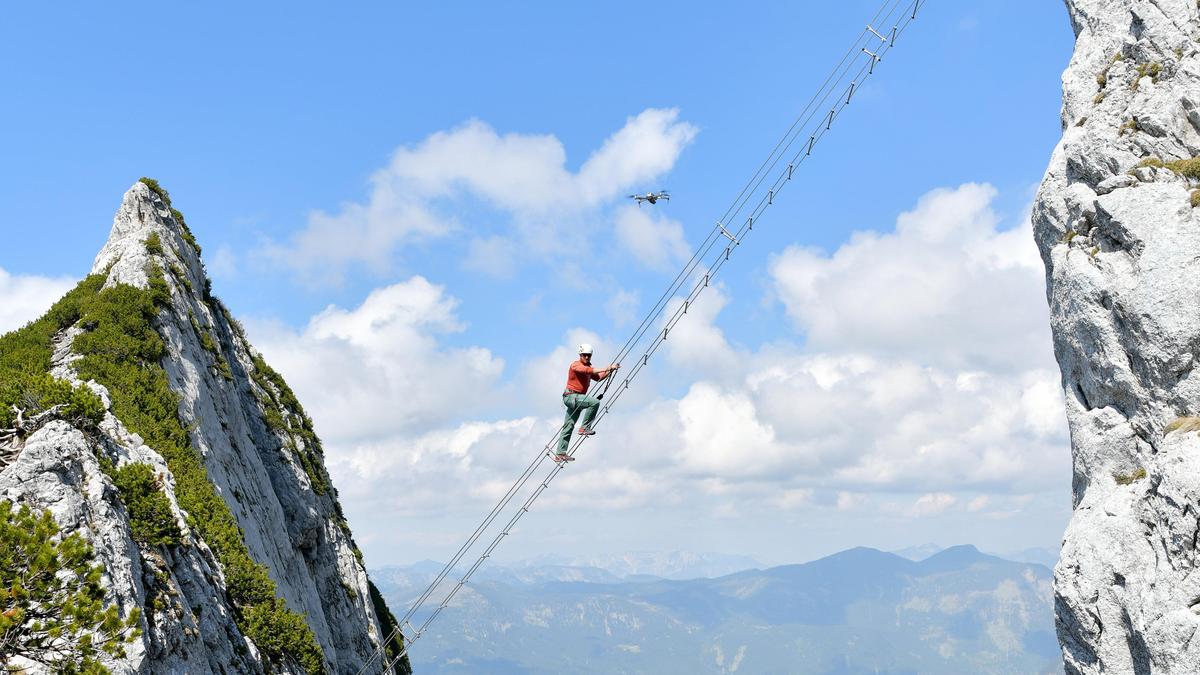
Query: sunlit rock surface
(1121,243)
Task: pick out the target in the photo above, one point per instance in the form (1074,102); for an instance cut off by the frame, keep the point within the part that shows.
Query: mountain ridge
(989,615)
(245,561)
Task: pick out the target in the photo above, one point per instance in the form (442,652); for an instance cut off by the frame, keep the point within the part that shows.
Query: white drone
(652,197)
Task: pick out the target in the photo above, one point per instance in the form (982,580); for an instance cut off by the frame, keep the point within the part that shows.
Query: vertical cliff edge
(231,543)
(1117,226)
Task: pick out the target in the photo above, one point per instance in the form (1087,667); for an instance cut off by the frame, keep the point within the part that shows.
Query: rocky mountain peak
(247,563)
(147,215)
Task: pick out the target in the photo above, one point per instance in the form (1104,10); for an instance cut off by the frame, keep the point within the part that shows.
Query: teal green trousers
(576,404)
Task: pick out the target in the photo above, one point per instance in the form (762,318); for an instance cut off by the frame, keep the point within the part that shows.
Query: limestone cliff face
(260,457)
(1121,243)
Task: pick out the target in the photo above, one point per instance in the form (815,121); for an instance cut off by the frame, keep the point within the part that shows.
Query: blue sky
(256,118)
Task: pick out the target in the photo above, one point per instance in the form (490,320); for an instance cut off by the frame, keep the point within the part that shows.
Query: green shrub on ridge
(166,197)
(1188,168)
(150,515)
(154,244)
(284,416)
(53,609)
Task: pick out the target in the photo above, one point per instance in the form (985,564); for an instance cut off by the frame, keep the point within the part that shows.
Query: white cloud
(437,470)
(926,408)
(522,175)
(1042,406)
(697,345)
(378,369)
(932,504)
(223,263)
(946,287)
(608,488)
(622,307)
(24,298)
(849,501)
(857,423)
(494,256)
(655,242)
(645,148)
(792,499)
(527,173)
(722,435)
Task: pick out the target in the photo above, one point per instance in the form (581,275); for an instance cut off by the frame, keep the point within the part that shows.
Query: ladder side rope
(715,234)
(831,84)
(811,102)
(719,230)
(866,40)
(765,201)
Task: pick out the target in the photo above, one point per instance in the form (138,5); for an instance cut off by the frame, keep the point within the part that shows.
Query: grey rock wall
(1121,245)
(194,631)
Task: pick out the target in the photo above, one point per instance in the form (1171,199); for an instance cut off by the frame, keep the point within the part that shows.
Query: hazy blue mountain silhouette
(860,610)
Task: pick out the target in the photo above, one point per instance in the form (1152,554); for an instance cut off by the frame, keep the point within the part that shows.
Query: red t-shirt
(579,377)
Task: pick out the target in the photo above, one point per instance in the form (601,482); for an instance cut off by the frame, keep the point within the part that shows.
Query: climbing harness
(840,86)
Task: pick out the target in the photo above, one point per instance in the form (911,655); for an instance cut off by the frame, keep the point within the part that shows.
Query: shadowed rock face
(290,525)
(1121,245)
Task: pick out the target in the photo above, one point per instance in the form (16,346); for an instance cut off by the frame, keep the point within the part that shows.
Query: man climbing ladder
(575,398)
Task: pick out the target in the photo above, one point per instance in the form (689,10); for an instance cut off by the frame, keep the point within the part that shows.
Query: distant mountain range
(678,565)
(1041,556)
(858,611)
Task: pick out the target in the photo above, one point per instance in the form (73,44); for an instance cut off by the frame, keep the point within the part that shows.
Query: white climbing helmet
(585,348)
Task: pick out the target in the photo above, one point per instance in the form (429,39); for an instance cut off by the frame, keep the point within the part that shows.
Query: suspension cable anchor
(770,197)
(749,226)
(829,123)
(812,140)
(895,31)
(916,6)
(851,94)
